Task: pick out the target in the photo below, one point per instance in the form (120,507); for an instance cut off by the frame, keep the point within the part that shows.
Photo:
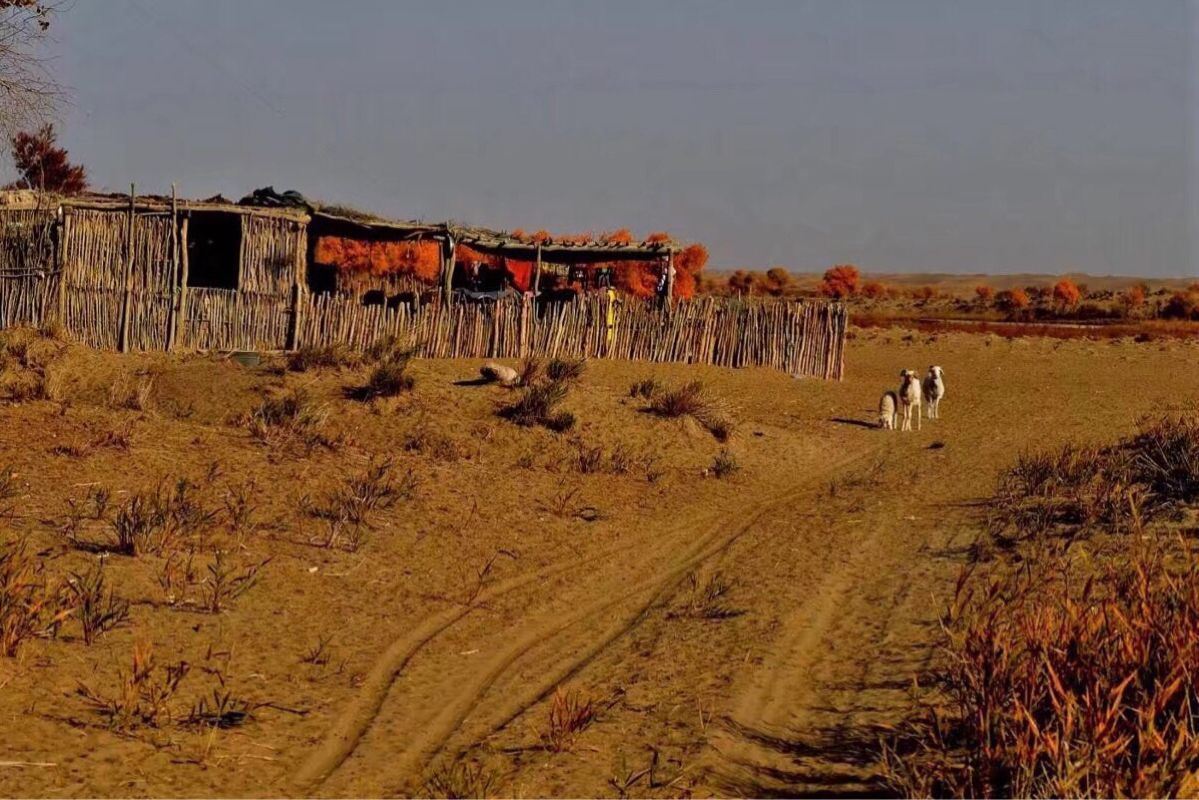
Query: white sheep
(934,390)
(909,398)
(886,410)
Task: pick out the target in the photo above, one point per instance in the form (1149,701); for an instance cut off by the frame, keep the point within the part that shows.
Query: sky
(897,135)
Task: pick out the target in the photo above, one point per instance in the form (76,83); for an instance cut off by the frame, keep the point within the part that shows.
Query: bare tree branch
(28,92)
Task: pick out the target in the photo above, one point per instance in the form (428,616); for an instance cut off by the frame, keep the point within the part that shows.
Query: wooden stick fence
(121,279)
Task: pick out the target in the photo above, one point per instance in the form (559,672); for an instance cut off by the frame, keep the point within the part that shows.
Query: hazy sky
(960,136)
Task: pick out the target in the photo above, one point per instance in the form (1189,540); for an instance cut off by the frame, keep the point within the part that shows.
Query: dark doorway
(213,250)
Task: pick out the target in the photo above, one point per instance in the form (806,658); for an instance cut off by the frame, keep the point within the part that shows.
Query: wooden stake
(669,278)
(447,269)
(173,309)
(123,337)
(293,332)
(181,319)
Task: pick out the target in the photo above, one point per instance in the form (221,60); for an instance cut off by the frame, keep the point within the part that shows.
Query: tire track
(431,737)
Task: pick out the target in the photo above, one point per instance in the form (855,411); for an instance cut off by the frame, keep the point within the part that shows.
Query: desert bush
(570,713)
(95,605)
(725,464)
(117,438)
(25,602)
(708,597)
(530,371)
(1063,679)
(328,356)
(219,709)
(588,459)
(565,370)
(226,581)
(144,695)
(390,348)
(460,780)
(538,405)
(426,440)
(292,415)
(693,399)
(241,508)
(347,509)
(131,391)
(645,388)
(1119,486)
(389,379)
(154,520)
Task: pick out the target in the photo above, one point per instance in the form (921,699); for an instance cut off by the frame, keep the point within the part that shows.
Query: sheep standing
(909,398)
(886,410)
(934,390)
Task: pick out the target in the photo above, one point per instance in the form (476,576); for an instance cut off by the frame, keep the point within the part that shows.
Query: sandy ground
(838,543)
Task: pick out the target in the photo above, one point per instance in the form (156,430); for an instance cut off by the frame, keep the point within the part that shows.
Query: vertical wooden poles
(123,338)
(173,311)
(447,269)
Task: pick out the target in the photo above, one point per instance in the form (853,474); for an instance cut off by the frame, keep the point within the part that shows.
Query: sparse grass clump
(331,356)
(530,371)
(145,694)
(570,713)
(538,405)
(693,399)
(1119,486)
(349,508)
(95,605)
(565,370)
(645,388)
(708,597)
(131,391)
(725,464)
(25,602)
(293,415)
(460,780)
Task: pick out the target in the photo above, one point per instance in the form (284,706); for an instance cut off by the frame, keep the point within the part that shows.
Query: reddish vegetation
(1013,300)
(840,282)
(43,165)
(421,259)
(1066,294)
(873,290)
(984,293)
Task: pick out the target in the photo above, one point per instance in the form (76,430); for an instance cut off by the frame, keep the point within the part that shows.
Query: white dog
(934,390)
(909,398)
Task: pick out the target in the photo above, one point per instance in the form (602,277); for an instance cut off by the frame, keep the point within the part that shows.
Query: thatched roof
(562,251)
(350,221)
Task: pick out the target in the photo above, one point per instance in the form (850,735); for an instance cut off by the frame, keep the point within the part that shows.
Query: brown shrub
(570,714)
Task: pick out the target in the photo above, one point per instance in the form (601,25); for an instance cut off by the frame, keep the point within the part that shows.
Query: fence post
(181,317)
(60,265)
(447,268)
(123,337)
(173,309)
(293,332)
(670,278)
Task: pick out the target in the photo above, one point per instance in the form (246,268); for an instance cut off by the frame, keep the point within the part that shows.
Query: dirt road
(741,636)
(841,576)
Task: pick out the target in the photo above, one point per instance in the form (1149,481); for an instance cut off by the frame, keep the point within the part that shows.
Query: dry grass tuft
(460,780)
(725,464)
(565,370)
(570,714)
(25,602)
(1064,673)
(145,693)
(332,356)
(693,400)
(94,603)
(538,405)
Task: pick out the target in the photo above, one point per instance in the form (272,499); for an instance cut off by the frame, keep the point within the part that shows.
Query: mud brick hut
(142,272)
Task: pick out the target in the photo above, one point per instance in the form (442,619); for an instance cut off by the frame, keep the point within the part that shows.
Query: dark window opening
(213,250)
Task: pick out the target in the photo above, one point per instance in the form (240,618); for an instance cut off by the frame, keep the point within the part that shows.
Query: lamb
(934,390)
(886,410)
(909,396)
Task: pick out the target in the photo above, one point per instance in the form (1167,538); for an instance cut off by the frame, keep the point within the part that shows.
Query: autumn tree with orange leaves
(1066,294)
(840,282)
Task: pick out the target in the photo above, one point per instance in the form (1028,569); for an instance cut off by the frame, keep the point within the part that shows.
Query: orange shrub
(840,282)
(984,293)
(1013,300)
(873,290)
(1066,294)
